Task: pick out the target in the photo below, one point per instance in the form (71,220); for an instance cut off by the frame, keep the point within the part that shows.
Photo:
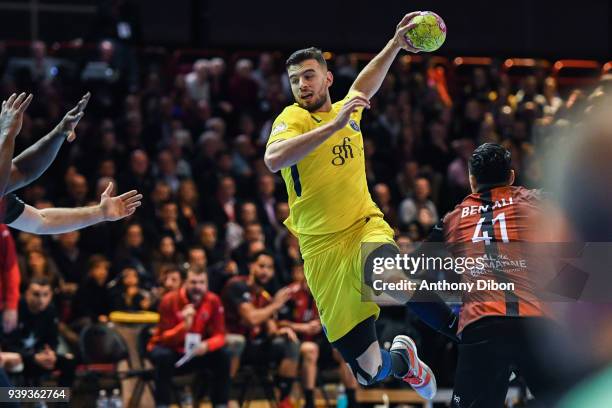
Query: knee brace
(376,371)
(360,342)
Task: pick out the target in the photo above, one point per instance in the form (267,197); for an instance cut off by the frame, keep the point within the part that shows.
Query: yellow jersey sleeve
(287,125)
(338,105)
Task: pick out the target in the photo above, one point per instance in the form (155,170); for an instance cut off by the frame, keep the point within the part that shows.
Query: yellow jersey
(327,189)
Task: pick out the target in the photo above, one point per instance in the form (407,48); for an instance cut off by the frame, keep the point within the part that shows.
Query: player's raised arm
(36,159)
(371,77)
(11,119)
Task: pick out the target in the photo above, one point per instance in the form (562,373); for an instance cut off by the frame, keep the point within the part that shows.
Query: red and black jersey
(301,308)
(236,292)
(492,224)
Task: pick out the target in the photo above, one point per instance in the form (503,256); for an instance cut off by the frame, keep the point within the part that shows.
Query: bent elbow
(272,162)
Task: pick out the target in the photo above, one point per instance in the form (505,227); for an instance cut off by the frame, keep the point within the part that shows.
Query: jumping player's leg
(427,305)
(371,364)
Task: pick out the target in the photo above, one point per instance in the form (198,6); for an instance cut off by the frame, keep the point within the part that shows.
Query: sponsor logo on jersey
(342,152)
(354,125)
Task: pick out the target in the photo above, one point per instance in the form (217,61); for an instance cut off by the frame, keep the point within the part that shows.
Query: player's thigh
(334,278)
(482,376)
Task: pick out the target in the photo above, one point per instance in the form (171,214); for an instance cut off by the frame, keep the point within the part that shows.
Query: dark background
(476,27)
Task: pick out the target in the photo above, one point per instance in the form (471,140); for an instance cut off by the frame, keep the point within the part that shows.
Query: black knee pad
(354,344)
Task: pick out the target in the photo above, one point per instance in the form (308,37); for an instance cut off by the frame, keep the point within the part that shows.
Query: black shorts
(494,347)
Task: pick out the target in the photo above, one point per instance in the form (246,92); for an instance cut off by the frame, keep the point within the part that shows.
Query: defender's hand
(116,208)
(72,118)
(11,116)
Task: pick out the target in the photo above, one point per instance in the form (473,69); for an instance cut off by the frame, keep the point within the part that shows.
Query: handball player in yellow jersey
(318,147)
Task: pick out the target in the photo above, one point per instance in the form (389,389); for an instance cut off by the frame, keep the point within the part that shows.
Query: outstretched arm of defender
(60,220)
(371,77)
(287,152)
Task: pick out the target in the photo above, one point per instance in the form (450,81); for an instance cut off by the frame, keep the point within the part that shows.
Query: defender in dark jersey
(496,326)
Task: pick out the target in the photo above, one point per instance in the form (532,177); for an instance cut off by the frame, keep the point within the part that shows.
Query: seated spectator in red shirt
(188,313)
(36,338)
(127,295)
(251,312)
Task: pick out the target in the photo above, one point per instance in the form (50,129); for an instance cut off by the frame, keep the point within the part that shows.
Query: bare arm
(11,119)
(36,159)
(286,153)
(371,77)
(255,316)
(60,220)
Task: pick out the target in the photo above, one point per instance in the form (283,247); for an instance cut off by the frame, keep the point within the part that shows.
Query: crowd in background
(192,142)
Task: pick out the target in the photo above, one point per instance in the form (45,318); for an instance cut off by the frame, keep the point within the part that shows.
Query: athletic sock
(284,385)
(399,366)
(385,368)
(309,398)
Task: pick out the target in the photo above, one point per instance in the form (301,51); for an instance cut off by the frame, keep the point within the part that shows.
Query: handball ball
(430,32)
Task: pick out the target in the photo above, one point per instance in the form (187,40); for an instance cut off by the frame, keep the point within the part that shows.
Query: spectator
(196,258)
(243,88)
(132,250)
(70,260)
(165,253)
(382,198)
(250,312)
(193,312)
(196,81)
(300,314)
(127,295)
(92,300)
(10,279)
(409,208)
(36,338)
(266,200)
(207,238)
(39,265)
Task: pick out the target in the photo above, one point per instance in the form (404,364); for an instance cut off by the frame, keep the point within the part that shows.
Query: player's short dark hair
(306,54)
(490,164)
(264,252)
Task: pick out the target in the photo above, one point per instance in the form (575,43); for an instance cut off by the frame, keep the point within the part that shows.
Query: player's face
(263,269)
(310,83)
